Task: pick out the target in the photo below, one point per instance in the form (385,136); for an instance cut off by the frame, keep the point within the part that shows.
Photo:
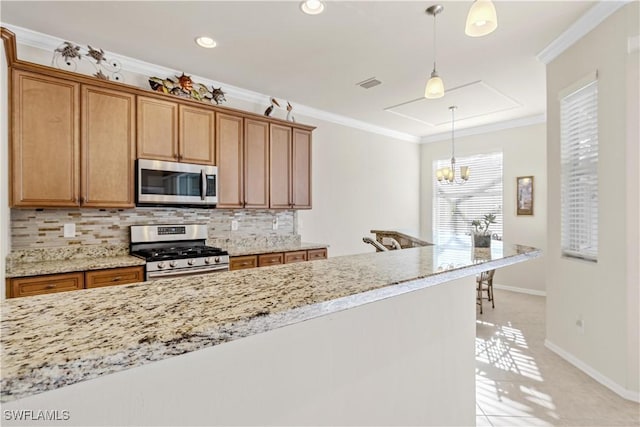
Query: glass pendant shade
(434,88)
(482,19)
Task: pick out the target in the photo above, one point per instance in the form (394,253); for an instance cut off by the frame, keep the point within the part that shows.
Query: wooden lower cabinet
(298,256)
(313,254)
(48,284)
(52,283)
(270,259)
(263,260)
(113,276)
(242,262)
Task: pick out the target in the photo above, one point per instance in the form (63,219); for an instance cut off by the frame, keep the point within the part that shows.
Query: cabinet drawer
(297,256)
(114,276)
(52,283)
(316,254)
(270,259)
(242,262)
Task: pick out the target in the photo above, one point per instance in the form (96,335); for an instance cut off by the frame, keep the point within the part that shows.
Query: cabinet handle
(50,287)
(117,278)
(81,199)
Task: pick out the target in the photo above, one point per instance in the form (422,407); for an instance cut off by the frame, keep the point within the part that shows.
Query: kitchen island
(53,344)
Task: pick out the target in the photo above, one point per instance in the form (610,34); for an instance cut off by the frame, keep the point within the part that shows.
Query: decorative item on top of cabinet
(183,86)
(175,132)
(45,131)
(67,56)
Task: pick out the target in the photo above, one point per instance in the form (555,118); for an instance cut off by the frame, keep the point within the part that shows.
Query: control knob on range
(217,260)
(172,264)
(161,265)
(191,261)
(207,260)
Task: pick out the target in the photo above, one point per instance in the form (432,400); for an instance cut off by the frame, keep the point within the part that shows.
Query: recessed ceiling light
(312,7)
(206,42)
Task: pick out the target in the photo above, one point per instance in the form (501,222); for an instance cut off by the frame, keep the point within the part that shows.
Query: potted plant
(481,234)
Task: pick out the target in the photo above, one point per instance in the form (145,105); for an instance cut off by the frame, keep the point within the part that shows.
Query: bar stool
(484,282)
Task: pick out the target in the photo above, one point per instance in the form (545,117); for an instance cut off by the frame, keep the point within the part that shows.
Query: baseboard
(520,290)
(602,379)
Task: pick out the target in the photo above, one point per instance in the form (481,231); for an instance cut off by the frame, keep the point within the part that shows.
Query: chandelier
(447,174)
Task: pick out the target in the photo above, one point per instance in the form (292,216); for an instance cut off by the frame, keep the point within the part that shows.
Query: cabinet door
(301,177)
(266,260)
(113,276)
(108,150)
(280,167)
(256,164)
(48,284)
(45,143)
(157,125)
(197,137)
(229,147)
(297,256)
(242,262)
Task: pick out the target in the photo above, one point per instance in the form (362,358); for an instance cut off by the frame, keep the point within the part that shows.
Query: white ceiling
(275,49)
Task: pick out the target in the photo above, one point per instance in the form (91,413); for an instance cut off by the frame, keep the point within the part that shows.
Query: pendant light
(447,174)
(482,19)
(435,86)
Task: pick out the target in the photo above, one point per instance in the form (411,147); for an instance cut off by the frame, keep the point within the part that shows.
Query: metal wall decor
(67,56)
(184,87)
(274,103)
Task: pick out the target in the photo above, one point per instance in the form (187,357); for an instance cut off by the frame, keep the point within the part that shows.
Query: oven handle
(189,271)
(203,184)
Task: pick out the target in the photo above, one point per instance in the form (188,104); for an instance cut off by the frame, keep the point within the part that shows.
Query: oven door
(155,275)
(174,183)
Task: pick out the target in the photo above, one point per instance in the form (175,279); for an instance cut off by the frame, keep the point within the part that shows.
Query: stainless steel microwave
(171,183)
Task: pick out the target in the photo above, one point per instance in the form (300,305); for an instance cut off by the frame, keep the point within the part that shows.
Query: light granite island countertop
(52,341)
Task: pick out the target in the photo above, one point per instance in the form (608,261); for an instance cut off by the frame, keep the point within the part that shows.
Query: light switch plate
(69,230)
(234,225)
(274,224)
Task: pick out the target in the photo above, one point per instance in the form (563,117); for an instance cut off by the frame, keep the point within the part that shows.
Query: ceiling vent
(369,83)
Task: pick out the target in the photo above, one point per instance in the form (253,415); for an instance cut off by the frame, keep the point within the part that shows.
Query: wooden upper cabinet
(256,164)
(157,124)
(175,132)
(197,139)
(229,152)
(45,148)
(108,148)
(301,176)
(280,167)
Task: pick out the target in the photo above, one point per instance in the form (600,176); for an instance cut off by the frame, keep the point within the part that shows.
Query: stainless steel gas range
(176,250)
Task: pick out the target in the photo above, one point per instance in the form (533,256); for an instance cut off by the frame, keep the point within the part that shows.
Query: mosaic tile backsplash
(42,229)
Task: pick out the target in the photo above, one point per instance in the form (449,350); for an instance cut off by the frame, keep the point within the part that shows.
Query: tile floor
(519,382)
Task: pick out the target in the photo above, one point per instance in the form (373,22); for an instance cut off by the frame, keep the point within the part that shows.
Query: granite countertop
(23,269)
(51,341)
(240,251)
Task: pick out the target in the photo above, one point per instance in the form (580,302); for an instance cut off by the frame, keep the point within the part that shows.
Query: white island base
(404,360)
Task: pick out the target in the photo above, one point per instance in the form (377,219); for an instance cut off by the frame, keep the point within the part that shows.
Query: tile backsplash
(35,228)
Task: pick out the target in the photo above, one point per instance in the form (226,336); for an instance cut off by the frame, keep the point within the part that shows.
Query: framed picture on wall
(524,196)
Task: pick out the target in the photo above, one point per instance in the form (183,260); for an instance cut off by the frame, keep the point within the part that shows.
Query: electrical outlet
(69,230)
(274,223)
(234,225)
(580,325)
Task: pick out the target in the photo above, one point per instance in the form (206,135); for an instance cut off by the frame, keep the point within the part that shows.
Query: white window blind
(456,205)
(579,172)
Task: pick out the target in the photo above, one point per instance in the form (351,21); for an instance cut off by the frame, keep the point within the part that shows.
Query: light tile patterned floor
(519,382)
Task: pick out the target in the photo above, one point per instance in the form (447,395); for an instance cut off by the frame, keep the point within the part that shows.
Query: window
(579,171)
(456,205)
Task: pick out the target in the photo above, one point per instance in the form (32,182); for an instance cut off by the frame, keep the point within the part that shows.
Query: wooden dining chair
(484,282)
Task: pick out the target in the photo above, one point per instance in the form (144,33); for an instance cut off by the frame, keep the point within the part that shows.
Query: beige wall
(524,153)
(598,292)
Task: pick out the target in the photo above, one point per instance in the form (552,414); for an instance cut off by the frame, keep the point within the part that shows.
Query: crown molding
(49,43)
(587,22)
(493,127)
